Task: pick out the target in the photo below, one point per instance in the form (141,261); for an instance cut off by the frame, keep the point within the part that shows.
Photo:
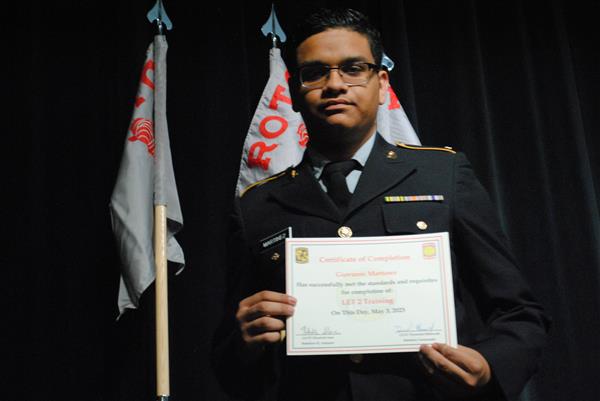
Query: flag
(393,123)
(145,179)
(277,136)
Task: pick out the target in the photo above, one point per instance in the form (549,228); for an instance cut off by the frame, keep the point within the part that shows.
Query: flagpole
(163,391)
(162,304)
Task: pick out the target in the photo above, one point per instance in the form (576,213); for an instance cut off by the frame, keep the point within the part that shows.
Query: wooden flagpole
(158,14)
(162,305)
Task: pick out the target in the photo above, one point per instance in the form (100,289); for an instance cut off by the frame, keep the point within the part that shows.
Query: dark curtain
(514,84)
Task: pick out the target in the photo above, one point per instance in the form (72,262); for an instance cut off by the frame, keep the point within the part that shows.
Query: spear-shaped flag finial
(159,15)
(387,62)
(272,27)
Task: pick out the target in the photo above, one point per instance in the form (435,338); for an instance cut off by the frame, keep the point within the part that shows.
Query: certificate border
(445,287)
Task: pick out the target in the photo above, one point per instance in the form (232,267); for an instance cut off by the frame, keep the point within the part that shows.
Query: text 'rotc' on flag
(271,127)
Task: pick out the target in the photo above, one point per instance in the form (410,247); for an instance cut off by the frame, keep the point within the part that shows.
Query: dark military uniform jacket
(495,312)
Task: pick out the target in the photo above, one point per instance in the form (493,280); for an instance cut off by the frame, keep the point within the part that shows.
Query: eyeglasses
(353,74)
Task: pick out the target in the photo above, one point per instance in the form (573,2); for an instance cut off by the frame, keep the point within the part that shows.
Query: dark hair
(325,19)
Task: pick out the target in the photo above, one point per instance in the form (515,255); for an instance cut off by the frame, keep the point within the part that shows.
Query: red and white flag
(145,179)
(392,122)
(277,136)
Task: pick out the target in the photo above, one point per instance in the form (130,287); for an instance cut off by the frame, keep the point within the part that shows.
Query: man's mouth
(334,105)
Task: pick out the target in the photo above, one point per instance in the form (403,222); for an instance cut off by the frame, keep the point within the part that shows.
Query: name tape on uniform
(276,238)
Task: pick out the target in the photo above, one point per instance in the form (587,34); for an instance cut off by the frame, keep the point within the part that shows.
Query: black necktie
(334,178)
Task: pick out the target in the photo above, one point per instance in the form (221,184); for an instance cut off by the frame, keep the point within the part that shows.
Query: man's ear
(384,85)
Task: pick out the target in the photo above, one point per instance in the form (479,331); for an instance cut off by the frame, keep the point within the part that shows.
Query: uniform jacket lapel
(303,193)
(383,170)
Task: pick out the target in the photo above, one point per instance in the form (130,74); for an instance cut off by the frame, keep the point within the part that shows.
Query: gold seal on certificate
(369,294)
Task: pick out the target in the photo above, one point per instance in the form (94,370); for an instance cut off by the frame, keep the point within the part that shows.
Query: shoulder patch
(444,149)
(263,181)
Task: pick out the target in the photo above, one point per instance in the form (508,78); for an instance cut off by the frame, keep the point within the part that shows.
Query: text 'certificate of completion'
(369,294)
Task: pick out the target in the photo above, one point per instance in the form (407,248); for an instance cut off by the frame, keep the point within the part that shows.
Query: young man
(337,85)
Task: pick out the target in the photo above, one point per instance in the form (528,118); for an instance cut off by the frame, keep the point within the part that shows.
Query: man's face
(338,112)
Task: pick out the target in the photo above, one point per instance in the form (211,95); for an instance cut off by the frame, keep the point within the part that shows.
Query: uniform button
(422,225)
(391,155)
(344,232)
(294,174)
(275,257)
(357,358)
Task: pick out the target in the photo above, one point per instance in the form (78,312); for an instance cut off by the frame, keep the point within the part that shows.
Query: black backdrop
(512,83)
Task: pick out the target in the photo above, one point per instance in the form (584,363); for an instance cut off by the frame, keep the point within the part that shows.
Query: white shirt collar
(318,161)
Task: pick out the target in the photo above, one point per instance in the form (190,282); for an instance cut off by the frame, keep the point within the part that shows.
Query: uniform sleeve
(515,324)
(237,376)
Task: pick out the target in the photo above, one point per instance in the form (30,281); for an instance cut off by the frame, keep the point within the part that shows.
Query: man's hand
(456,372)
(262,317)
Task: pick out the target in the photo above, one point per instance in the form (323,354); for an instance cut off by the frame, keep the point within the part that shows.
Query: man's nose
(335,80)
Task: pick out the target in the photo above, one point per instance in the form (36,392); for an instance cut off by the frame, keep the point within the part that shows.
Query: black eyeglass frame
(328,68)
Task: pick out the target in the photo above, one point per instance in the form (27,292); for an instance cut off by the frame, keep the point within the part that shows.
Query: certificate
(369,294)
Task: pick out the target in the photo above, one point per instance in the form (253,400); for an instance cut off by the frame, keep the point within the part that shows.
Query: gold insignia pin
(275,257)
(422,225)
(294,173)
(391,155)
